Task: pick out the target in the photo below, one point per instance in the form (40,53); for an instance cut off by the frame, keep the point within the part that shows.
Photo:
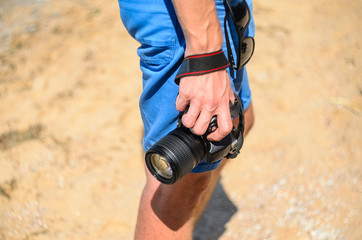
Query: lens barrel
(181,149)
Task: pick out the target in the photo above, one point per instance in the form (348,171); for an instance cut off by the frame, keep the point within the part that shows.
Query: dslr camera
(177,153)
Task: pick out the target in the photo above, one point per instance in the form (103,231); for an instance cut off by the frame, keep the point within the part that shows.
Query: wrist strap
(201,64)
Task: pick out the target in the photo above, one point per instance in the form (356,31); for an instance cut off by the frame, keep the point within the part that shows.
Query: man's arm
(207,94)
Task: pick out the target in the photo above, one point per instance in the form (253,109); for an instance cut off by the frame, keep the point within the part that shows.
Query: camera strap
(202,64)
(237,110)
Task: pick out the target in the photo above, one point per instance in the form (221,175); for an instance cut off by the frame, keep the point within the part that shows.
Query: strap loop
(201,64)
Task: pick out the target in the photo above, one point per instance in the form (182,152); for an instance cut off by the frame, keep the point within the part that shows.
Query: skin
(171,211)
(208,94)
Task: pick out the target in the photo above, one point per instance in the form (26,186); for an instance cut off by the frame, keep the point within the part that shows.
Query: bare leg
(166,211)
(249,121)
(171,211)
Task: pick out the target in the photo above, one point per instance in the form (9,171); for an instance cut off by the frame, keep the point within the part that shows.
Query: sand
(71,160)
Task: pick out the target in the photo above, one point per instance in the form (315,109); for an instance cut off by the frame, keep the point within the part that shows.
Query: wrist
(200,64)
(210,40)
(203,34)
(200,25)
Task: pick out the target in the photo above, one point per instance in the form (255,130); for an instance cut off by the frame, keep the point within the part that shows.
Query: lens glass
(161,166)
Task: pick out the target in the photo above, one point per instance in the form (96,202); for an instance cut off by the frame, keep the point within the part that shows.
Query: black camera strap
(236,110)
(201,64)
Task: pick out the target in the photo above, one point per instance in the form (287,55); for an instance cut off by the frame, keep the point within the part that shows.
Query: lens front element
(161,166)
(175,155)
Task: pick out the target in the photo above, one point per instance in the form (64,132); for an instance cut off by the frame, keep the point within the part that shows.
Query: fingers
(181,103)
(224,126)
(207,96)
(190,117)
(198,121)
(202,123)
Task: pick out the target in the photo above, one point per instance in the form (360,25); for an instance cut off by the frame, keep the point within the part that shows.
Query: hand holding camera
(206,96)
(180,151)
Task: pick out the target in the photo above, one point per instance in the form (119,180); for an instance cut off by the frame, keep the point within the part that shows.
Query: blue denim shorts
(153,23)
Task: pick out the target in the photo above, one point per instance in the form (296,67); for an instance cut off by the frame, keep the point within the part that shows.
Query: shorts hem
(205,167)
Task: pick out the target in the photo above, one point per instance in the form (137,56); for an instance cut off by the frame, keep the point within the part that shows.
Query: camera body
(177,153)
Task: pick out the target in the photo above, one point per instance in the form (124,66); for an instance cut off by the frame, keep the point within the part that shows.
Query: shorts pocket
(158,52)
(152,26)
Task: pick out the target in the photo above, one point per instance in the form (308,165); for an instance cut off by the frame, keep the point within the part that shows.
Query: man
(169,31)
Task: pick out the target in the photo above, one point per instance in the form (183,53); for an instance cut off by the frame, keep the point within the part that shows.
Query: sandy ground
(70,129)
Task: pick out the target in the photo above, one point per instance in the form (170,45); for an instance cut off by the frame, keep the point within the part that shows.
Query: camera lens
(175,155)
(161,166)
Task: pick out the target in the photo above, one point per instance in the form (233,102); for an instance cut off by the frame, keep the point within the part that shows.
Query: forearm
(200,25)
(209,94)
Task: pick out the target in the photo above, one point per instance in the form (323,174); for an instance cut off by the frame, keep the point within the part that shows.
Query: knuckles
(222,130)
(198,131)
(226,127)
(187,121)
(225,130)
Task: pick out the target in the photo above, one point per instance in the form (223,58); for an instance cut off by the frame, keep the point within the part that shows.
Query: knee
(199,181)
(175,204)
(188,189)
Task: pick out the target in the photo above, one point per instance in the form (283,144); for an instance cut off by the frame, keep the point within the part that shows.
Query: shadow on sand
(219,211)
